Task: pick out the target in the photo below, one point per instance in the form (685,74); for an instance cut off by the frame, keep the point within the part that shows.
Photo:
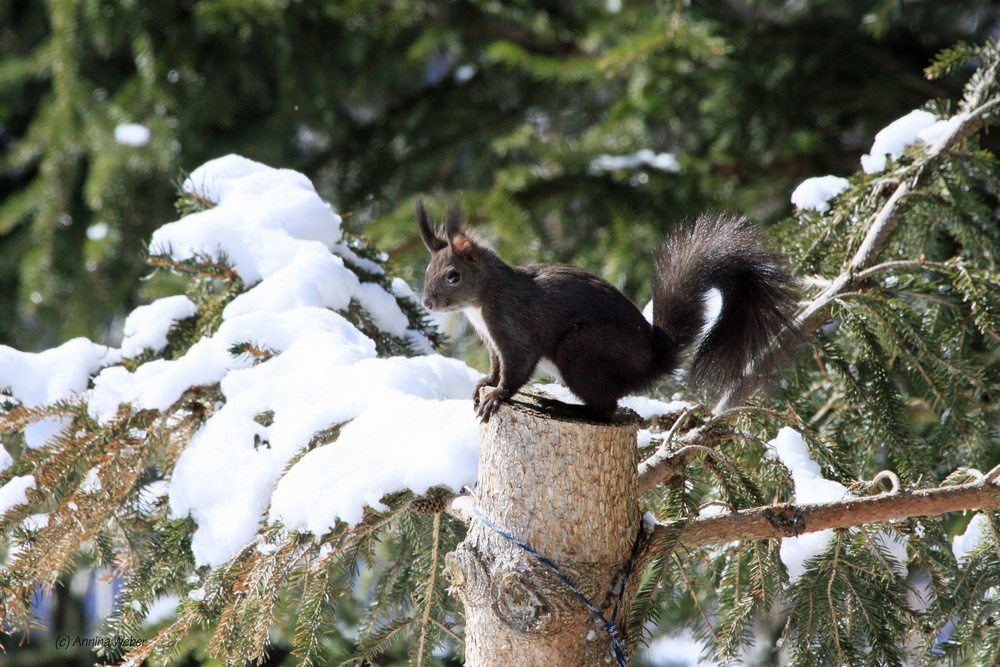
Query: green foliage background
(380,101)
(509,104)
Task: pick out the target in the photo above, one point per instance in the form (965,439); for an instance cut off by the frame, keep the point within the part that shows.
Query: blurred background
(574,131)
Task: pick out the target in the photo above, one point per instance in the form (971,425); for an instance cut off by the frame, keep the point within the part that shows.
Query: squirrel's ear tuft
(454,229)
(453,224)
(427,233)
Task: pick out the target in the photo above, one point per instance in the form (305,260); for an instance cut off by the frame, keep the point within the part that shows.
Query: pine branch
(884,222)
(677,451)
(791,519)
(200,265)
(429,601)
(666,460)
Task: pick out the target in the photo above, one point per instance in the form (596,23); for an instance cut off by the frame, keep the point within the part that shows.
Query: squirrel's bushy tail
(755,327)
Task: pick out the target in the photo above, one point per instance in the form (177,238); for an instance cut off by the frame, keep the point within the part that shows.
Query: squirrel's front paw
(485,382)
(489,404)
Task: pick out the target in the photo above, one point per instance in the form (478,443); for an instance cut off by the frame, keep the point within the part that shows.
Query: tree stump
(568,489)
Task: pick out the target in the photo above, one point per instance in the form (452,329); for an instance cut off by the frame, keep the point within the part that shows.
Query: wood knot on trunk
(786,520)
(468,574)
(562,490)
(522,604)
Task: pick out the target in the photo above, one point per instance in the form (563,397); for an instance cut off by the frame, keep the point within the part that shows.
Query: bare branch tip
(889,475)
(992,476)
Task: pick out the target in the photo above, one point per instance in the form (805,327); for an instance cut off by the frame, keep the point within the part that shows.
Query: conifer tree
(519,107)
(242,450)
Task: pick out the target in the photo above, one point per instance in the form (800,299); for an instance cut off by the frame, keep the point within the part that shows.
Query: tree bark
(791,519)
(567,489)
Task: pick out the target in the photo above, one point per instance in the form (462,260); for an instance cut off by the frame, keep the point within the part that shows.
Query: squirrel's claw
(490,403)
(484,382)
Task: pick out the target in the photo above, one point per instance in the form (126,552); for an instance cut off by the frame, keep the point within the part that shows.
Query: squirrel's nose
(427,302)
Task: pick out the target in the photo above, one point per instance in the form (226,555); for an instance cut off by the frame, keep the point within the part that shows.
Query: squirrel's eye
(452,276)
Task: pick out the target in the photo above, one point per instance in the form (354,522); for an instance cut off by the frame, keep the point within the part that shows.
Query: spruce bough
(899,374)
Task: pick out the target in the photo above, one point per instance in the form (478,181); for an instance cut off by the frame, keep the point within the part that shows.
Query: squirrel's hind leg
(601,366)
(557,408)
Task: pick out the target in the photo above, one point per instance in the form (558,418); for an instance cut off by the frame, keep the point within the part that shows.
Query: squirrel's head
(454,278)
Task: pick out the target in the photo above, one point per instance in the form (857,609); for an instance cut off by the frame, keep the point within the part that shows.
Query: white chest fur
(475,316)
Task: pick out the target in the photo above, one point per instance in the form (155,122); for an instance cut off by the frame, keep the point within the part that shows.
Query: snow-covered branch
(956,130)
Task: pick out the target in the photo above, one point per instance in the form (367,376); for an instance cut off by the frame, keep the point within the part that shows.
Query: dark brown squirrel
(599,342)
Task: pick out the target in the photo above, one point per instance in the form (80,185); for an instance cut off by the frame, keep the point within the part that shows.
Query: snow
(646,407)
(325,484)
(368,265)
(795,551)
(942,129)
(259,218)
(285,244)
(153,491)
(464,73)
(311,277)
(49,376)
(816,193)
(98,231)
(14,492)
(147,326)
(132,134)
(652,407)
(404,422)
(790,448)
(163,609)
(975,533)
(713,510)
(810,487)
(278,236)
(225,476)
(32,523)
(266,549)
(661,161)
(418,341)
(92,482)
(6,460)
(895,137)
(680,650)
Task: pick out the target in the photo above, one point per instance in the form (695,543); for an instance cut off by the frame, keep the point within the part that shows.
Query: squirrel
(597,340)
